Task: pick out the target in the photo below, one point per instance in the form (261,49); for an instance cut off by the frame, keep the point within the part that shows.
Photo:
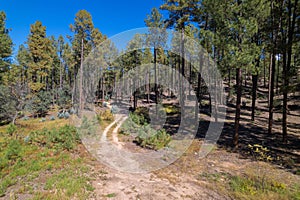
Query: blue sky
(111,17)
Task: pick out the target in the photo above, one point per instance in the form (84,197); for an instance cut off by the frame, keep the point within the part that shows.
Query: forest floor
(221,175)
(270,171)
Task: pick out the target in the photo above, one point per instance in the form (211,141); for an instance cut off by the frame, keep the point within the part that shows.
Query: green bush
(13,151)
(138,119)
(152,139)
(11,129)
(145,135)
(171,109)
(106,115)
(64,138)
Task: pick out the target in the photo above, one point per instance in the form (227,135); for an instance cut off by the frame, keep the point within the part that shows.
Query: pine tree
(40,57)
(291,15)
(85,38)
(157,38)
(5,45)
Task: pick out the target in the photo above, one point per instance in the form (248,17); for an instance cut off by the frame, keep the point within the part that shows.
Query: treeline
(46,67)
(255,40)
(244,37)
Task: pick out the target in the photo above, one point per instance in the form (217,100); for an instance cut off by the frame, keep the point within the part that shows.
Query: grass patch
(111,195)
(42,159)
(248,187)
(70,182)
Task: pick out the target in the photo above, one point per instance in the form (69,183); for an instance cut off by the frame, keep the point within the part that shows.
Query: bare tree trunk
(271,92)
(60,75)
(155,77)
(229,82)
(272,71)
(265,85)
(148,86)
(254,89)
(277,78)
(238,106)
(81,79)
(291,29)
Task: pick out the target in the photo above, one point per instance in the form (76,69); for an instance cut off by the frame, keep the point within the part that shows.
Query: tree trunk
(277,77)
(291,29)
(102,87)
(238,106)
(271,92)
(254,89)
(81,79)
(229,82)
(60,75)
(148,86)
(265,85)
(155,77)
(182,96)
(272,69)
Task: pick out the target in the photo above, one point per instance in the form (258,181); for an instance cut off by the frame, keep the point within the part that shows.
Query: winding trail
(119,118)
(115,132)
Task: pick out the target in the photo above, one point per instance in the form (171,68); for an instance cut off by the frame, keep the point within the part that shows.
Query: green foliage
(11,129)
(5,45)
(106,115)
(253,188)
(25,118)
(40,103)
(40,57)
(63,114)
(13,150)
(259,152)
(170,109)
(138,119)
(52,118)
(111,195)
(71,182)
(64,100)
(146,136)
(88,126)
(7,105)
(149,138)
(64,138)
(42,119)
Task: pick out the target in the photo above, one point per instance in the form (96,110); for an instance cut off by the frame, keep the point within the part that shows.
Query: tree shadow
(282,154)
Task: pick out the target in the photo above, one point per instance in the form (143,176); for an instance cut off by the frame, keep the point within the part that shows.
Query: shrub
(43,119)
(152,139)
(63,114)
(106,115)
(64,138)
(170,109)
(60,115)
(72,111)
(52,118)
(13,151)
(25,118)
(67,115)
(88,126)
(145,135)
(11,129)
(259,152)
(114,109)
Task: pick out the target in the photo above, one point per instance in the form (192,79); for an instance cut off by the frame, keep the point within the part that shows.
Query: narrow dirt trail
(104,134)
(115,132)
(114,184)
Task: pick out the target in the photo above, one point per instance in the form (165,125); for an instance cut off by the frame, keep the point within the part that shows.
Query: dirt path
(104,134)
(122,186)
(115,132)
(113,184)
